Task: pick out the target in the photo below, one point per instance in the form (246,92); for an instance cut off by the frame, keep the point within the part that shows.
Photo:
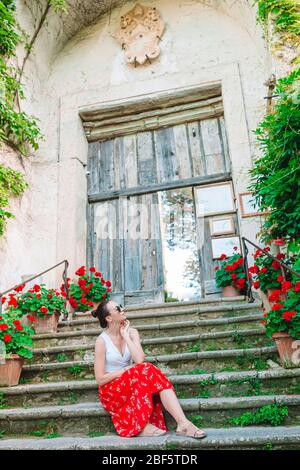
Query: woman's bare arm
(133,341)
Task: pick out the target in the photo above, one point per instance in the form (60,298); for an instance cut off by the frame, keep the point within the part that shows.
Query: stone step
(165,345)
(153,330)
(84,418)
(194,313)
(234,359)
(153,307)
(245,383)
(252,438)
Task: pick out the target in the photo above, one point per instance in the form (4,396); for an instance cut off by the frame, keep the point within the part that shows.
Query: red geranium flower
(20,288)
(108,283)
(277,306)
(276,265)
(286,285)
(80,271)
(289,315)
(7,338)
(275,296)
(297,287)
(31,318)
(3,300)
(4,327)
(73,302)
(43,309)
(92,269)
(19,327)
(36,288)
(98,274)
(13,302)
(256,285)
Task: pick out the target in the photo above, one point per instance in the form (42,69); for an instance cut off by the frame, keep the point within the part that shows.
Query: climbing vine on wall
(275,176)
(285,17)
(12,183)
(17,129)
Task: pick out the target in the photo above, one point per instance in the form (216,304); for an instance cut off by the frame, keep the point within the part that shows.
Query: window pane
(214,198)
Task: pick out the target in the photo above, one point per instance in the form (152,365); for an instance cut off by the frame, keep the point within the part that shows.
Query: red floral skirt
(133,400)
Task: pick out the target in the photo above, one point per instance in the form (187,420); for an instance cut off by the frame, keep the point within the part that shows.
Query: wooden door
(130,170)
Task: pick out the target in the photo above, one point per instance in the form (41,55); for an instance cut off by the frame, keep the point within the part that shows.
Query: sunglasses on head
(119,307)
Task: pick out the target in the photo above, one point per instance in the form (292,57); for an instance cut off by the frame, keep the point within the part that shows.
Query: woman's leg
(170,401)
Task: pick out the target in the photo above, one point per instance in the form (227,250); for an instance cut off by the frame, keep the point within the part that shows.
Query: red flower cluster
(289,315)
(20,288)
(7,338)
(277,306)
(234,265)
(86,284)
(275,296)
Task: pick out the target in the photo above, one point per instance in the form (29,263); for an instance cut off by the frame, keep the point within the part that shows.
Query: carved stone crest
(139,34)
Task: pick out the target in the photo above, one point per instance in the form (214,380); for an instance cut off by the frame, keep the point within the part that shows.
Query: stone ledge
(156,327)
(86,318)
(239,438)
(163,358)
(219,377)
(189,404)
(151,341)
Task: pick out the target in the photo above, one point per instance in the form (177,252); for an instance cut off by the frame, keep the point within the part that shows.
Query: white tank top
(114,360)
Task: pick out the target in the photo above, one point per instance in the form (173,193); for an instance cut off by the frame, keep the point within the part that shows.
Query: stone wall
(76,64)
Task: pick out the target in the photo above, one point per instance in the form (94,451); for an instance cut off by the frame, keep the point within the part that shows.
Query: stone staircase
(215,353)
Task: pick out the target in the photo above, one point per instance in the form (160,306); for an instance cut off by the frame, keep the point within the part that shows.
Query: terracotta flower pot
(46,324)
(284,346)
(10,371)
(230,291)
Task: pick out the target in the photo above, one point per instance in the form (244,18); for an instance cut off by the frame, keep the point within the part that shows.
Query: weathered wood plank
(167,164)
(105,165)
(130,161)
(212,146)
(196,151)
(182,151)
(146,160)
(197,181)
(96,122)
(156,100)
(152,123)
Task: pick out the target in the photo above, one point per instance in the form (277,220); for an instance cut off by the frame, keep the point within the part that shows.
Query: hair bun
(94,313)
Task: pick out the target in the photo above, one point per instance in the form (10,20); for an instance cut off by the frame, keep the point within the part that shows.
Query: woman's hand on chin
(124,329)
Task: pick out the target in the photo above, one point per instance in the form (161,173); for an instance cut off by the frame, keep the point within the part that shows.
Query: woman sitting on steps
(133,393)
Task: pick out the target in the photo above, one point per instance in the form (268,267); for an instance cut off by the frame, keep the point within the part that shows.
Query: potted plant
(17,341)
(267,277)
(230,275)
(88,290)
(282,323)
(43,305)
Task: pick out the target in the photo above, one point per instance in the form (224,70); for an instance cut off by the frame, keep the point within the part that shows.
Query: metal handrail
(245,250)
(64,276)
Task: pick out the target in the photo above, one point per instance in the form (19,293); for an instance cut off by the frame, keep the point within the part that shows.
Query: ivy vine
(12,183)
(18,130)
(275,176)
(285,16)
